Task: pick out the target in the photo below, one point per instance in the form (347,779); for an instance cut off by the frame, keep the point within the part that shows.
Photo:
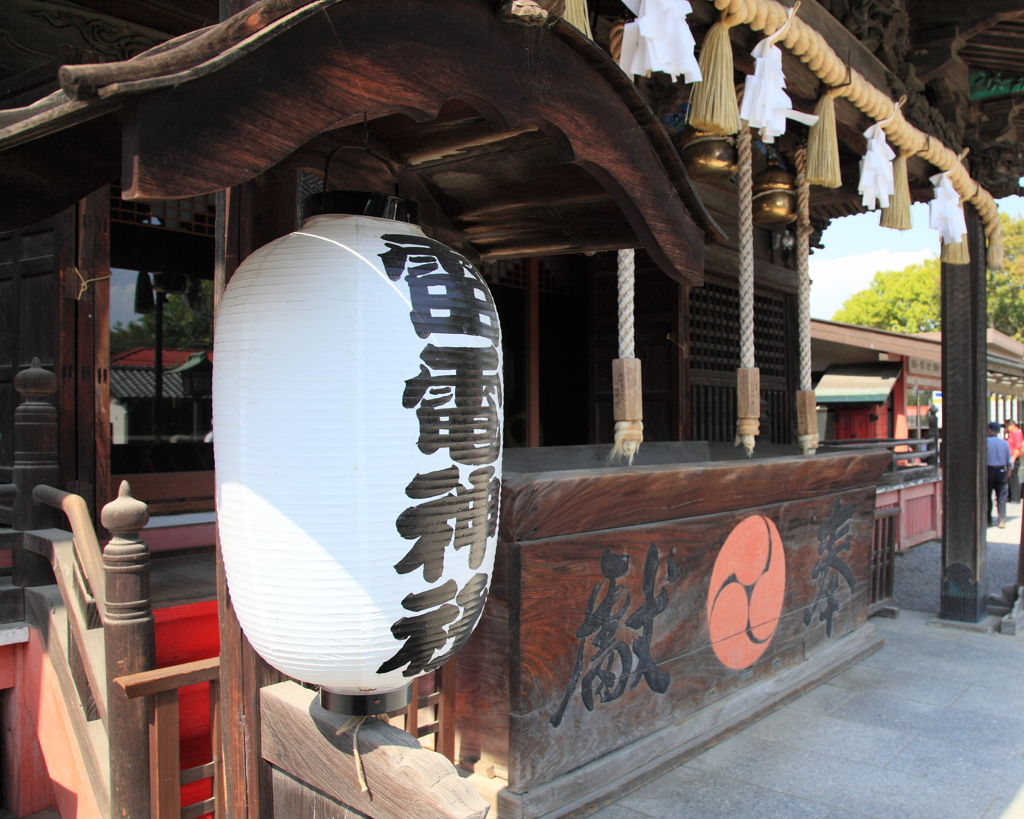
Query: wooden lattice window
(715,330)
(770,335)
(196,214)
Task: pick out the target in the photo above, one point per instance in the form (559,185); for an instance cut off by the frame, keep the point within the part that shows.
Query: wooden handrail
(88,545)
(8,491)
(162,686)
(160,680)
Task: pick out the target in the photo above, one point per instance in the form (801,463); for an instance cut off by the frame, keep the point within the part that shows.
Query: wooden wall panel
(570,649)
(549,505)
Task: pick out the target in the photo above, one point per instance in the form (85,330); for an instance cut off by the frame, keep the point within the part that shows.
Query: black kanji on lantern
(447,293)
(465,516)
(457,397)
(425,634)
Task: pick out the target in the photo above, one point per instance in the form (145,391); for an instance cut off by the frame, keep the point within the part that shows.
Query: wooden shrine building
(148,147)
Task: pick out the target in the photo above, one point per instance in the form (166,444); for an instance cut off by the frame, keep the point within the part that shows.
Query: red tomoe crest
(748,585)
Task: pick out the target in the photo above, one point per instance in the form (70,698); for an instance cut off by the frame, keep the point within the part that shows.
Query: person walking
(1015,438)
(999,464)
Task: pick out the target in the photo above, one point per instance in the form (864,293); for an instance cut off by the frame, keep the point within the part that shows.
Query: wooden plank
(295,798)
(302,739)
(559,503)
(666,646)
(606,779)
(164,487)
(160,680)
(164,756)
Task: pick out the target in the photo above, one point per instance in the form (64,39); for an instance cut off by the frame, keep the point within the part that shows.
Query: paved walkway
(930,727)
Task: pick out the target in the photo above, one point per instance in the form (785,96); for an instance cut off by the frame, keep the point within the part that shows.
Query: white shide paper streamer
(766,105)
(945,213)
(659,40)
(876,179)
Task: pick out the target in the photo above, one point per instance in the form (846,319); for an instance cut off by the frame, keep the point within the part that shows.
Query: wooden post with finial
(130,647)
(35,463)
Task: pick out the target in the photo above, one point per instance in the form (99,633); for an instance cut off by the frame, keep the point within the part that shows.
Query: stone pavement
(930,727)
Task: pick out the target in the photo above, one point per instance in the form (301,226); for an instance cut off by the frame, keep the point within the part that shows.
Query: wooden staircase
(117,664)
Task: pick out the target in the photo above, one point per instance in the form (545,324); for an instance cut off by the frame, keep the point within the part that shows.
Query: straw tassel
(897,215)
(576,14)
(955,253)
(823,144)
(713,107)
(994,255)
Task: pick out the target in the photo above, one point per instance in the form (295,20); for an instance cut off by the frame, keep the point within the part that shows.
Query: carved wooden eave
(514,140)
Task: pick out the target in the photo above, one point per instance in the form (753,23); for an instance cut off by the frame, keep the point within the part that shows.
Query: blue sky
(856,248)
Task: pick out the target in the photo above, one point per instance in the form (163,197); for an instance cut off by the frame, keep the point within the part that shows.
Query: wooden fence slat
(164,756)
(198,809)
(191,775)
(412,712)
(445,682)
(217,751)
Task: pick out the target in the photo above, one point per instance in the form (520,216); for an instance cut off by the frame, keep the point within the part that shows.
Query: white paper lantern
(357,416)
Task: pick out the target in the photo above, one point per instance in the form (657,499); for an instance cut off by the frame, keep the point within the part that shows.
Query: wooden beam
(405,781)
(313,92)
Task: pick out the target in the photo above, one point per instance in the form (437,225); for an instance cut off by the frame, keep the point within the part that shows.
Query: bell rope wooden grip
(628,399)
(748,407)
(35,462)
(807,421)
(130,643)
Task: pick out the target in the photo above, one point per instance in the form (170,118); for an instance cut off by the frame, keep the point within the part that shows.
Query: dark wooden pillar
(248,216)
(964,410)
(35,462)
(130,643)
(533,353)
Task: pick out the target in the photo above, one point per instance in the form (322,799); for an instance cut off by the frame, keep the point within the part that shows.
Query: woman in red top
(1015,438)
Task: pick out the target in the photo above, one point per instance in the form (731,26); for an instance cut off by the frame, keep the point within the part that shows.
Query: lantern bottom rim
(365,705)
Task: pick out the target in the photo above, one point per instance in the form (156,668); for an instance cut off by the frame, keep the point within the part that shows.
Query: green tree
(184,328)
(909,300)
(1006,287)
(901,301)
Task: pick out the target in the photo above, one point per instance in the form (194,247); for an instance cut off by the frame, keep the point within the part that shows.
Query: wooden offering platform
(640,614)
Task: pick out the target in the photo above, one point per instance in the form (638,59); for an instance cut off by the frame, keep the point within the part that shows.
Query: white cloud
(835,280)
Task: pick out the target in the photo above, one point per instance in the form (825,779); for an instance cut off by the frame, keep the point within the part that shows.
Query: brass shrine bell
(707,157)
(774,196)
